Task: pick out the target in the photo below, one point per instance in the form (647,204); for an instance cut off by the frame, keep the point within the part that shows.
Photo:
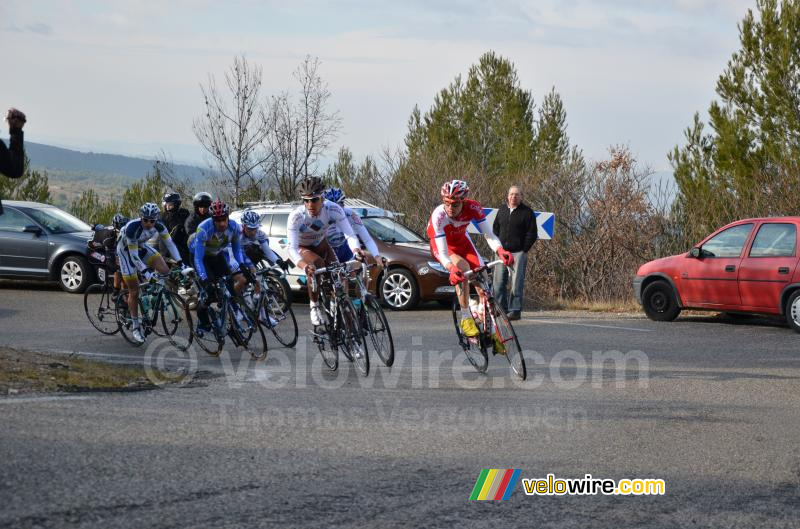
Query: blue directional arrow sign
(545,222)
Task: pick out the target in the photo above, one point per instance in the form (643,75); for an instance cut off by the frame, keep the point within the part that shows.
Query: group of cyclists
(321,231)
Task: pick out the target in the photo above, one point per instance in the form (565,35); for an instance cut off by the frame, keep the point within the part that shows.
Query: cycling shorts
(147,254)
(461,246)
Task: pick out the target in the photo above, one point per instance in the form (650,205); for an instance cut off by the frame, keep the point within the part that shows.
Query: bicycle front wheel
(376,325)
(212,340)
(176,320)
(279,317)
(353,340)
(508,336)
(249,328)
(99,307)
(474,348)
(124,318)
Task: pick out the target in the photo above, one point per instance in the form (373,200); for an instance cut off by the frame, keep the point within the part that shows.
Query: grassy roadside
(31,372)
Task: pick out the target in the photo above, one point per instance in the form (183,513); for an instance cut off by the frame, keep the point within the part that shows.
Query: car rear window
(278,228)
(775,240)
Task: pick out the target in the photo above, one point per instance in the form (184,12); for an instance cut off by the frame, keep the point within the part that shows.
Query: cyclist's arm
(269,253)
(344,226)
(361,231)
(236,246)
(163,233)
(491,238)
(199,253)
(293,236)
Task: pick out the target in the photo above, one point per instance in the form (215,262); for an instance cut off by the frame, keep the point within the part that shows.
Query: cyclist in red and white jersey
(451,245)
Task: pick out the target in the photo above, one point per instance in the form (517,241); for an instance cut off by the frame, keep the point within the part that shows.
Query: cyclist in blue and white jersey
(209,248)
(134,254)
(335,236)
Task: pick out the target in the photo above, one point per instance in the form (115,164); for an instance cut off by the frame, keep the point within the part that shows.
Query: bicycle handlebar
(335,266)
(471,273)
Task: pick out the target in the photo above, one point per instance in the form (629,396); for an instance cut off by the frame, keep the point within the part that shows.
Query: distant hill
(67,160)
(71,172)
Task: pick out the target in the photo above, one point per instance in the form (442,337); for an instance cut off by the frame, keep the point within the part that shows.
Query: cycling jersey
(309,231)
(133,234)
(260,240)
(336,237)
(448,233)
(208,242)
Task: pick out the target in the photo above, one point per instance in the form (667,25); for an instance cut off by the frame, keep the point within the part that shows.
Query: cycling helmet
(201,200)
(334,194)
(219,209)
(455,190)
(251,219)
(172,198)
(149,211)
(119,221)
(311,187)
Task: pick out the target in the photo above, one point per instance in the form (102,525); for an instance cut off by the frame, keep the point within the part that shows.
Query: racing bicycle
(341,328)
(492,322)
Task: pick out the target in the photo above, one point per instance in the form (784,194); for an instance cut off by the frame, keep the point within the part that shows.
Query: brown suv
(412,274)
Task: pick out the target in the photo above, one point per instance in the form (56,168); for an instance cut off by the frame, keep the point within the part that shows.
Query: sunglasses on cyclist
(312,200)
(149,221)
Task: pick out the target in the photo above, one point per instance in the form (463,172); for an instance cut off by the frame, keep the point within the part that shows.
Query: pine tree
(749,164)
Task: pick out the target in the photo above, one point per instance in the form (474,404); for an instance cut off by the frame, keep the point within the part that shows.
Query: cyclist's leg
(129,274)
(155,261)
(309,257)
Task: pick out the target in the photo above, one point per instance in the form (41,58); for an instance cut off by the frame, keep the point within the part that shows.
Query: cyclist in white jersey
(307,229)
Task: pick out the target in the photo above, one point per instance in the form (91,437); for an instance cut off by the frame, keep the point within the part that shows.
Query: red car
(749,266)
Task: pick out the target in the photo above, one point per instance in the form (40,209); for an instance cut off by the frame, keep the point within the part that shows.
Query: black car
(40,241)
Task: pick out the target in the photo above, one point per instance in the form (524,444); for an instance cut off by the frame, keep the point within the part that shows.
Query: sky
(124,77)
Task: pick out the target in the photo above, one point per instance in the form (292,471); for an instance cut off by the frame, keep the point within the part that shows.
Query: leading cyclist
(451,245)
(307,229)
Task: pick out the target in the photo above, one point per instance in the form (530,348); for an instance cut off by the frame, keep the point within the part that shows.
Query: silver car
(39,241)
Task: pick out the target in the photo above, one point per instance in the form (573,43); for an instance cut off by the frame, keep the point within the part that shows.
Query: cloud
(40,28)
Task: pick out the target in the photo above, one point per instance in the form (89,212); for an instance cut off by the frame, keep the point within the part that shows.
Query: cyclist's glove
(284,265)
(506,256)
(456,275)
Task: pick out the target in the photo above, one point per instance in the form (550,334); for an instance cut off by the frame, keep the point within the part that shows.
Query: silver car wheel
(397,290)
(71,275)
(794,310)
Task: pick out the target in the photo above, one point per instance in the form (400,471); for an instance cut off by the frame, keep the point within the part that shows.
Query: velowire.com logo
(495,484)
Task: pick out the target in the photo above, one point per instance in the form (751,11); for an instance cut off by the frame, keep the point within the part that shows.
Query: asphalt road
(708,404)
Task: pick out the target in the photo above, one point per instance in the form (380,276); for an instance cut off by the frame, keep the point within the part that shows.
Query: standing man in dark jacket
(515,226)
(12,158)
(174,218)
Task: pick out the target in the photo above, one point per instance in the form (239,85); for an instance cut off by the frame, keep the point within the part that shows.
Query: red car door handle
(783,270)
(730,268)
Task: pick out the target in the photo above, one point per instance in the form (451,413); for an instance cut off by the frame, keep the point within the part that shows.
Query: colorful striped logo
(495,484)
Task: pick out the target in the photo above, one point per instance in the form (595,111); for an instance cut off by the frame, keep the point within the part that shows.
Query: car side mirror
(36,230)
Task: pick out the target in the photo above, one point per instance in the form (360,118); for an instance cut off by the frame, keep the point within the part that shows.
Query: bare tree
(300,131)
(234,128)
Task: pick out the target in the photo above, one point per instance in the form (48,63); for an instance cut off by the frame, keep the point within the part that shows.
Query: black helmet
(172,198)
(119,221)
(311,187)
(201,200)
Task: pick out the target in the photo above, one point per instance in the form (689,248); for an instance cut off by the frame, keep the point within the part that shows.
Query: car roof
(766,219)
(27,204)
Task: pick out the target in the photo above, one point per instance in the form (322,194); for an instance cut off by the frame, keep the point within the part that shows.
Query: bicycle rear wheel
(280,287)
(99,307)
(474,348)
(176,320)
(376,325)
(353,340)
(283,323)
(505,331)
